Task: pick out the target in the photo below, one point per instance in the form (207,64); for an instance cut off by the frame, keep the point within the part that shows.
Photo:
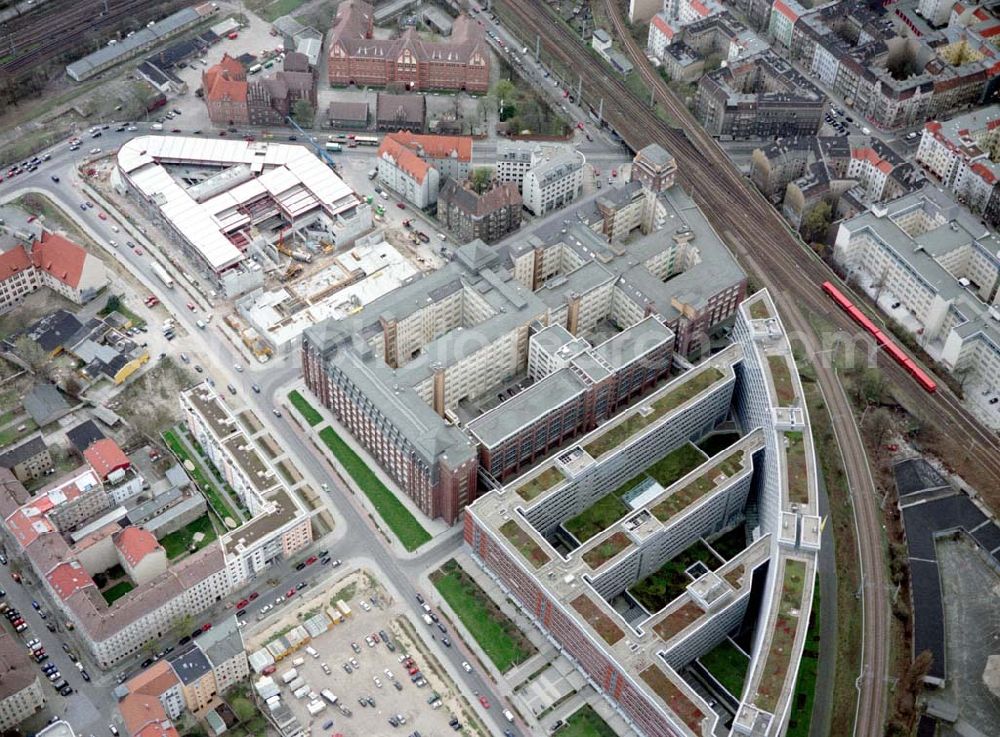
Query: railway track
(763,242)
(46,32)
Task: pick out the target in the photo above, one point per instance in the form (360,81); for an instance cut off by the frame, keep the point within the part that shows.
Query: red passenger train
(895,352)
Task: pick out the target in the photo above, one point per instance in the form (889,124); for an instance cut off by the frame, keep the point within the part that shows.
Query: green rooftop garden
(695,490)
(782,378)
(542,482)
(606,550)
(779,657)
(678,620)
(798,473)
(636,421)
(611,507)
(524,543)
(674,698)
(661,587)
(759,311)
(602,624)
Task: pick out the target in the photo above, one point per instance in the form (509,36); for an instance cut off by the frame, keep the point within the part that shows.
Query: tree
(113,304)
(816,221)
(31,353)
(869,386)
(182,625)
(72,386)
(480,178)
(880,425)
(303,113)
(503,90)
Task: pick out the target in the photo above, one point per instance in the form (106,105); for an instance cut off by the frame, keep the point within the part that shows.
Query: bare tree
(880,424)
(31,353)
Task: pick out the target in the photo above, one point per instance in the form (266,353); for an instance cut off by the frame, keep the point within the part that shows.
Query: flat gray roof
(534,402)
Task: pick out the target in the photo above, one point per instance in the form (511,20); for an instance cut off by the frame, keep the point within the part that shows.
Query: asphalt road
(218,359)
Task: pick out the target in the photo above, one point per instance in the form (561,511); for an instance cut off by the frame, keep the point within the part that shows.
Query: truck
(315,707)
(328,695)
(162,274)
(334,148)
(255,68)
(289,676)
(372,173)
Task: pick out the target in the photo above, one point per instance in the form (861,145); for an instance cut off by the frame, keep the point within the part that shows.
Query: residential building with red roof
(142,557)
(150,700)
(355,57)
(49,260)
(963,154)
(414,165)
(120,477)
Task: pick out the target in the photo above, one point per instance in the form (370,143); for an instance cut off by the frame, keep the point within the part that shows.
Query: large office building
(249,195)
(577,582)
(356,57)
(409,373)
(934,269)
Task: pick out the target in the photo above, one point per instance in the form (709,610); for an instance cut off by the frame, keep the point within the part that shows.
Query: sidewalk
(437,529)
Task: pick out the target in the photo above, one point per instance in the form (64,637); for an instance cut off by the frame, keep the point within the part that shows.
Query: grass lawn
(658,589)
(178,542)
(399,519)
(10,435)
(805,684)
(498,637)
(278,8)
(728,665)
(586,723)
(117,591)
(207,487)
(308,412)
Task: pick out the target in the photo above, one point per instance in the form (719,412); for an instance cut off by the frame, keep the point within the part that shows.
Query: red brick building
(461,62)
(233,100)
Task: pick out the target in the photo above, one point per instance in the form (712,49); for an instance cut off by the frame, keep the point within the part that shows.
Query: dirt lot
(150,402)
(335,648)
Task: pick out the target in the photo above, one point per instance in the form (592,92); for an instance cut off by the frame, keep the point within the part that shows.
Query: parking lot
(361,668)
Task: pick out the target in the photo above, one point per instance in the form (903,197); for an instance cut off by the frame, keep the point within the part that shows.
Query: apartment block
(278,526)
(416,165)
(409,374)
(119,477)
(577,589)
(514,159)
(761,96)
(21,693)
(29,460)
(553,181)
(961,153)
(934,269)
(488,216)
(856,52)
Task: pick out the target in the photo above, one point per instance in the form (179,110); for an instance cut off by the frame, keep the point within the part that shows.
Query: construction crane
(320,149)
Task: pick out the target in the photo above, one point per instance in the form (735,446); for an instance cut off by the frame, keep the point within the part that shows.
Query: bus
(366,140)
(335,148)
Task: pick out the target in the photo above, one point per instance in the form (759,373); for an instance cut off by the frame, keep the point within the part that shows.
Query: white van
(156,126)
(312,651)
